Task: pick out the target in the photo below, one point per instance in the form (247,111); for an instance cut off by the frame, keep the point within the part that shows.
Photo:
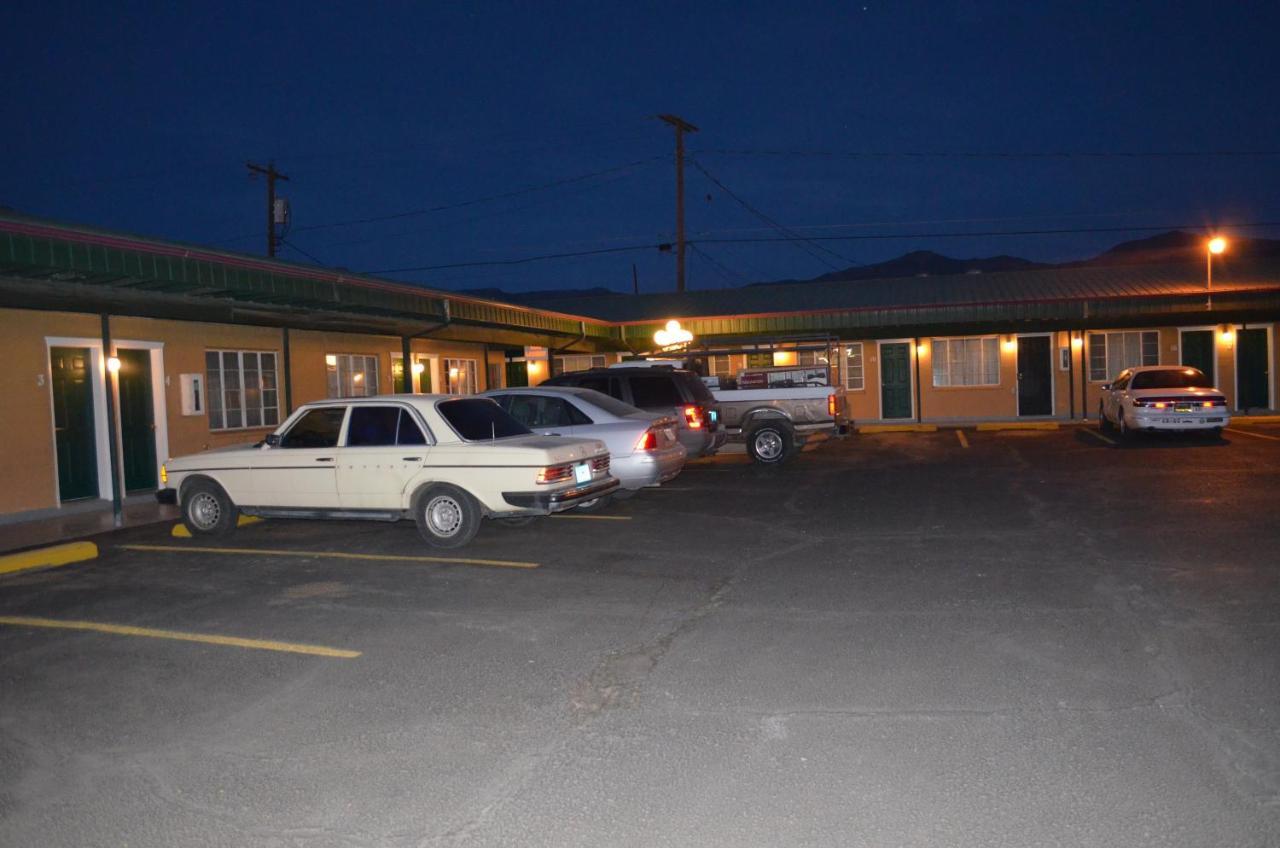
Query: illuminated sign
(672,336)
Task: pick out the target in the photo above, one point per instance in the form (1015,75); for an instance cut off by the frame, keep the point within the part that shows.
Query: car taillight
(555,474)
(831,405)
(694,417)
(1160,405)
(647,442)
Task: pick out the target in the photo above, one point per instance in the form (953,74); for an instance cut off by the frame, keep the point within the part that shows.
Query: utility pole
(682,126)
(272,175)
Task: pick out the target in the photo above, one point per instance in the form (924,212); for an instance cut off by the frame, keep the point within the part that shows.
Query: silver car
(643,447)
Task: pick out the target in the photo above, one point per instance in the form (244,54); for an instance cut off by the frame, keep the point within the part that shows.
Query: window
(966,362)
(565,364)
(480,419)
(611,386)
(377,426)
(810,358)
(723,366)
(242,389)
(351,374)
(853,366)
(319,428)
(538,411)
(1111,353)
(461,375)
(654,392)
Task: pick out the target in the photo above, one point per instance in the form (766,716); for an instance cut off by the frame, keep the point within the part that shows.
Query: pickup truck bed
(774,422)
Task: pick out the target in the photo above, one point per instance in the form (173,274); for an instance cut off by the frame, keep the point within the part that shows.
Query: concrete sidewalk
(78,520)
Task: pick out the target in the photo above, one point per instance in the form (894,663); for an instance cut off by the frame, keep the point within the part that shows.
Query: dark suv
(660,388)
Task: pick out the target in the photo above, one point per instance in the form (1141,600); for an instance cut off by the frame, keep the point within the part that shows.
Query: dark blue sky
(141,118)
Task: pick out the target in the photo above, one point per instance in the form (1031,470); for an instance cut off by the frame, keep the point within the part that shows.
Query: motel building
(121,350)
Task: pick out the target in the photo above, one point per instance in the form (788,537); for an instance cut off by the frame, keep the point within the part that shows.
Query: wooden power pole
(682,126)
(272,175)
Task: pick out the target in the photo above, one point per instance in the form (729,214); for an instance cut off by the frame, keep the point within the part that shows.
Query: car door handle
(411,459)
(324,459)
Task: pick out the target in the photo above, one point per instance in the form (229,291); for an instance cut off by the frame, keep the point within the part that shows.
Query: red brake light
(647,442)
(555,473)
(693,417)
(831,405)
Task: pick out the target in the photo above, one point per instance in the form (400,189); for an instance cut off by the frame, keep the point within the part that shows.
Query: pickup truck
(775,410)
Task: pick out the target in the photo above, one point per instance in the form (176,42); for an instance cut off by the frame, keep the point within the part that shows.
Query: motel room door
(1252,374)
(137,420)
(895,380)
(1035,376)
(73,423)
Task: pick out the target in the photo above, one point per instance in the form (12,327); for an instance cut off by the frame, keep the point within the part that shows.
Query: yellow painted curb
(898,428)
(1255,419)
(48,557)
(179,531)
(1019,425)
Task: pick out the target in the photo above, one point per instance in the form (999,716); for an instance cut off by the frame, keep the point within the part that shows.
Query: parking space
(919,638)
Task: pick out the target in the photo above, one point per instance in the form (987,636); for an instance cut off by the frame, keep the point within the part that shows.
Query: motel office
(187,348)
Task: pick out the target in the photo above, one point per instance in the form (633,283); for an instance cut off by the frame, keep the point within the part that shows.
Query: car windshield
(480,419)
(1172,378)
(611,405)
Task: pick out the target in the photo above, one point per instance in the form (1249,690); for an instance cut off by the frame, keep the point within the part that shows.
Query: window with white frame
(242,389)
(853,365)
(810,358)
(461,376)
(1111,353)
(725,365)
(966,362)
(351,374)
(579,362)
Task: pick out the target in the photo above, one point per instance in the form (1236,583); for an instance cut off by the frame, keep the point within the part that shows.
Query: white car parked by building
(446,462)
(1162,397)
(643,446)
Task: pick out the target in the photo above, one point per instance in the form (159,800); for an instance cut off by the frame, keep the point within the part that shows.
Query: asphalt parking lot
(913,639)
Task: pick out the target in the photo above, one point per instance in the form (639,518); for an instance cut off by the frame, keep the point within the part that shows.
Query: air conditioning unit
(192,387)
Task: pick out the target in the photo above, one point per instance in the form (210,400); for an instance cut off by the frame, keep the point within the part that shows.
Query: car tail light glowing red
(647,442)
(831,405)
(694,417)
(555,474)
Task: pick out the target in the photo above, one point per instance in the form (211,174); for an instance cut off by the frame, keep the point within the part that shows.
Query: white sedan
(644,447)
(446,462)
(1162,397)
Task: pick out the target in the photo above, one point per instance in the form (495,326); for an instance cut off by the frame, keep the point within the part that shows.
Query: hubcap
(204,511)
(444,515)
(768,444)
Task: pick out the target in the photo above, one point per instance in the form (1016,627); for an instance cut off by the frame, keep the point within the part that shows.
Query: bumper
(558,501)
(704,443)
(167,496)
(1178,423)
(649,469)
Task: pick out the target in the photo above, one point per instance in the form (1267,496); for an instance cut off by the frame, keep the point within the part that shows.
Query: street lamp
(1217,244)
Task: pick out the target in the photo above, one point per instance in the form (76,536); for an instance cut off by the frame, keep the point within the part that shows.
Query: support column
(288,373)
(406,364)
(117,501)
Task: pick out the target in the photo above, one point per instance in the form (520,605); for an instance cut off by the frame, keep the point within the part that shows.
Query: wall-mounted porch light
(113,364)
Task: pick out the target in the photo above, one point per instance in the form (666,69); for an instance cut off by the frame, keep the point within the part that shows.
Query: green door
(895,380)
(137,420)
(73,423)
(1252,373)
(1197,351)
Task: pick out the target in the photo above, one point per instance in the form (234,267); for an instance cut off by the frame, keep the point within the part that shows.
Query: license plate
(1182,408)
(582,472)
(1177,421)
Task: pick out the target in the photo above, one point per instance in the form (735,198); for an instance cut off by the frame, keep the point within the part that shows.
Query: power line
(320,262)
(799,239)
(725,271)
(1061,154)
(411,213)
(864,237)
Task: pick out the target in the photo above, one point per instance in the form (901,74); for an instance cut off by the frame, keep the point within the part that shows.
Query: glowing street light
(1218,245)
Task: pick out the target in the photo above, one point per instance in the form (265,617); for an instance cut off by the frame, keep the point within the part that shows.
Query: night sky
(875,119)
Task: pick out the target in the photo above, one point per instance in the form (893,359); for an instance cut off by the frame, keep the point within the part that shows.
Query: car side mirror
(273,440)
(1106,387)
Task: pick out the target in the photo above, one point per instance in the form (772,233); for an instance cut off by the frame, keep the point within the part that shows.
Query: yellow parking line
(208,639)
(595,517)
(1097,435)
(1255,435)
(503,563)
(48,557)
(964,440)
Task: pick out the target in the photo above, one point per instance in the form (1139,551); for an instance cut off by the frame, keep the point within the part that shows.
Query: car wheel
(770,443)
(1122,429)
(447,517)
(595,504)
(206,509)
